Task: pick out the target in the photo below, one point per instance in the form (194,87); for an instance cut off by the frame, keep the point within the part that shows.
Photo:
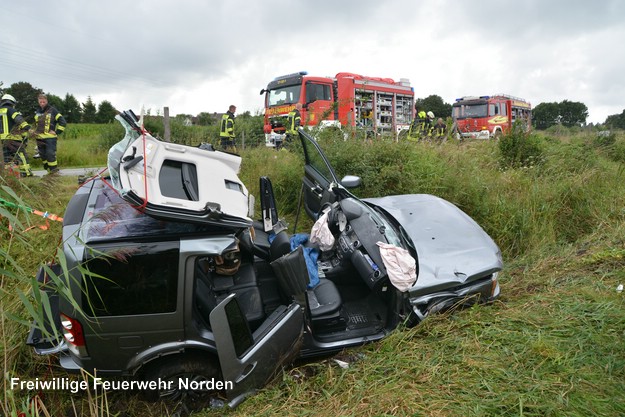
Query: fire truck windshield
(284,95)
(463,111)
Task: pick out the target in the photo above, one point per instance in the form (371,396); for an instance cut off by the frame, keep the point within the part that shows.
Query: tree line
(544,115)
(73,111)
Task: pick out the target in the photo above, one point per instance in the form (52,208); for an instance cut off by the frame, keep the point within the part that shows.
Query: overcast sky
(201,55)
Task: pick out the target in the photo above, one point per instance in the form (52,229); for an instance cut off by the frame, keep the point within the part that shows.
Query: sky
(198,56)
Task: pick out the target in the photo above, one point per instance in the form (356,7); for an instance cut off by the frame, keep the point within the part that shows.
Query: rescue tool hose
(43,214)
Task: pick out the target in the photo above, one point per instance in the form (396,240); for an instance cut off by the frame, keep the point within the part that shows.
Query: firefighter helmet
(431,115)
(228,263)
(9,98)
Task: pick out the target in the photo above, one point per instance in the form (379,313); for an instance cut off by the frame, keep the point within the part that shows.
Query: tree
(106,112)
(573,113)
(568,113)
(616,121)
(73,111)
(56,102)
(545,115)
(434,104)
(26,96)
(205,119)
(89,111)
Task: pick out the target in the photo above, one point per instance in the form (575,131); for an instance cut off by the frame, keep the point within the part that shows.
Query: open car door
(177,182)
(248,360)
(319,177)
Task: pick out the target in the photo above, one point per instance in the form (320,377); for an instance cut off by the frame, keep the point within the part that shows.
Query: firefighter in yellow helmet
(429,124)
(226,130)
(13,131)
(49,123)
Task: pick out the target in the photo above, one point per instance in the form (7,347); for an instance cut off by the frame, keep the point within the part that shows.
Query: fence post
(166,126)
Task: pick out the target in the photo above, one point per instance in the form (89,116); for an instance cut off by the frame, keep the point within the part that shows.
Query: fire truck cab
(488,117)
(373,103)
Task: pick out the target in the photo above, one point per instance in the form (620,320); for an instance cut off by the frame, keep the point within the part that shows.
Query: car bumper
(482,291)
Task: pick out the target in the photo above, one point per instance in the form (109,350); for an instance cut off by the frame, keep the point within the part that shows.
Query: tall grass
(551,346)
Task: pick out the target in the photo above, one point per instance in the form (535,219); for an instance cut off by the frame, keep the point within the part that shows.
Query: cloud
(196,56)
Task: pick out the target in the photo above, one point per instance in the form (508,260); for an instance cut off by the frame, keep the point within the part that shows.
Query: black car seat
(212,288)
(324,300)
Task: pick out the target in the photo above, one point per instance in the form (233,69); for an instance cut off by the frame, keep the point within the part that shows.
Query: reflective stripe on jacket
(49,120)
(294,120)
(12,124)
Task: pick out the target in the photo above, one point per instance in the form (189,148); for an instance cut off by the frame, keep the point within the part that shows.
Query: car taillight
(72,331)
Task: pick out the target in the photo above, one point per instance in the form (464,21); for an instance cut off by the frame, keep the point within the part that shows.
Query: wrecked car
(184,283)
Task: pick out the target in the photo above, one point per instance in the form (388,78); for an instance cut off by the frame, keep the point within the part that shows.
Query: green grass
(552,345)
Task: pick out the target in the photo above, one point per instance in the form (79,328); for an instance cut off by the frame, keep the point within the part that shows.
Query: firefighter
(429,124)
(49,124)
(293,121)
(417,128)
(226,130)
(439,130)
(13,131)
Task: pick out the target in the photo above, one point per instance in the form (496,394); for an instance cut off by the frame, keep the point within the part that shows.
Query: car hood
(452,249)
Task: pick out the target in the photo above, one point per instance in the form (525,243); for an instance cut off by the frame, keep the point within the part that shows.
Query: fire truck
(487,117)
(373,103)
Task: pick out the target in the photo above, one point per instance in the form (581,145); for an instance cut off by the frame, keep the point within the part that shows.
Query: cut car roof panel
(178,182)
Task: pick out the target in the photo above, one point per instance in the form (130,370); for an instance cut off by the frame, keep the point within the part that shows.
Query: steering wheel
(333,216)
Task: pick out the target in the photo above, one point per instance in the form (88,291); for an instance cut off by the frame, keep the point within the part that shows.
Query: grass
(552,345)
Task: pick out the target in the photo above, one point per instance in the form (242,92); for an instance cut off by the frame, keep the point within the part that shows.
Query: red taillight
(267,128)
(72,331)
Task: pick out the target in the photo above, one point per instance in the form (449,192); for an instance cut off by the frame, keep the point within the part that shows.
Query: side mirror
(263,91)
(351,181)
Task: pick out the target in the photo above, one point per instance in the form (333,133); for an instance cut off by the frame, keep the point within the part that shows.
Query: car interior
(341,306)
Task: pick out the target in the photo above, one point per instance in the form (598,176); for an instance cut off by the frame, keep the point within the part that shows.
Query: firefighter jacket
(439,130)
(226,129)
(49,123)
(294,120)
(12,123)
(418,128)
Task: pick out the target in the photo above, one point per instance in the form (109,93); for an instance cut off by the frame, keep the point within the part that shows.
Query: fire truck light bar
(291,75)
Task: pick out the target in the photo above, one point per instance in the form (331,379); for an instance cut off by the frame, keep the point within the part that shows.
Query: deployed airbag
(401,267)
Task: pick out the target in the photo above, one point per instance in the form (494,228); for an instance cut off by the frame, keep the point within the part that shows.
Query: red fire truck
(486,117)
(377,104)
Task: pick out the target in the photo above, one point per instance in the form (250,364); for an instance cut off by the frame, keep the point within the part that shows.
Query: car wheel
(184,379)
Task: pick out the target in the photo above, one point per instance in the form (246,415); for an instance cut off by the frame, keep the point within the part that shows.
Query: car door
(319,177)
(249,359)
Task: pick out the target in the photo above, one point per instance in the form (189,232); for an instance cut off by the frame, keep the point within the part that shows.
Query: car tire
(193,368)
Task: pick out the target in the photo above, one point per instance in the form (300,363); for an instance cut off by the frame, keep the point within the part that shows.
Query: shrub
(520,149)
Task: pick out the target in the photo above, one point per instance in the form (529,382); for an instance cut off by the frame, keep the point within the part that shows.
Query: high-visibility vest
(294,120)
(226,130)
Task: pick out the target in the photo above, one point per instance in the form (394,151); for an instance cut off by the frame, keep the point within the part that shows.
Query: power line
(30,58)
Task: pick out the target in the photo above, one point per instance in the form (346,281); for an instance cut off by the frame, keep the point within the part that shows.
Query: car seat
(323,301)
